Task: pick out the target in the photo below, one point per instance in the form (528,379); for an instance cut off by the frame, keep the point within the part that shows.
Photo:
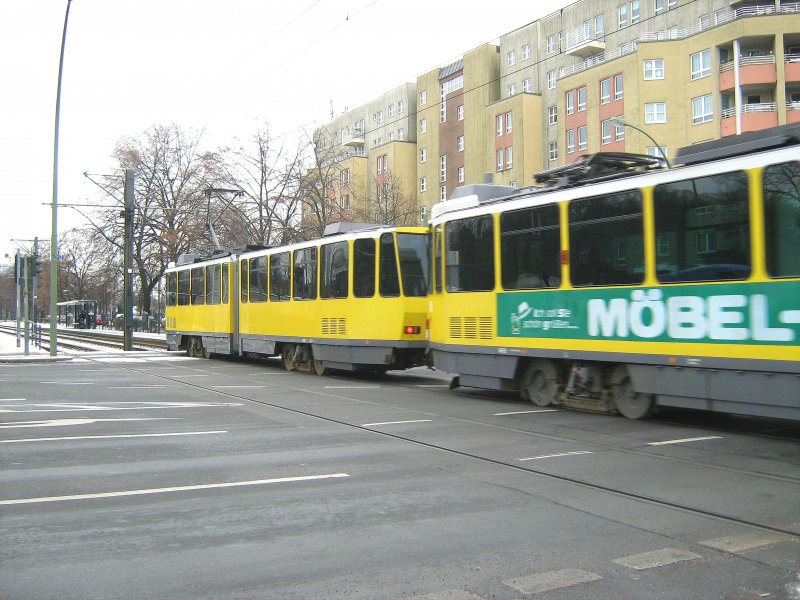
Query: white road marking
(657,558)
(397,422)
(744,541)
(70,422)
(182,488)
(268,373)
(13,399)
(447,595)
(225,387)
(433,385)
(191,375)
(68,382)
(552,580)
(352,387)
(683,441)
(525,412)
(155,386)
(67,407)
(556,455)
(110,437)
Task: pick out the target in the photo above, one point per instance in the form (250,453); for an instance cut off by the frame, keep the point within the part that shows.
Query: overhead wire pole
(54,232)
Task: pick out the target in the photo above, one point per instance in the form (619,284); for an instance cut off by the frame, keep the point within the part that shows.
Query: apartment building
(677,72)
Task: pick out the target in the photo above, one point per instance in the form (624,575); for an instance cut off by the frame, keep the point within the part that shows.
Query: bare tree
(390,204)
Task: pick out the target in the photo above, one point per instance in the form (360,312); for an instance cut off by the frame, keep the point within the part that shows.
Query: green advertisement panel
(746,313)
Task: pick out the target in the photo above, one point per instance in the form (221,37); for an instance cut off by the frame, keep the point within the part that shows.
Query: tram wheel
(288,357)
(193,347)
(319,368)
(541,390)
(629,402)
(207,353)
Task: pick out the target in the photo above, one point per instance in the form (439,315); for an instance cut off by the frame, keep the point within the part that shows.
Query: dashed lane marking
(352,387)
(447,595)
(73,422)
(744,541)
(114,437)
(552,580)
(685,440)
(525,412)
(72,407)
(165,490)
(556,455)
(656,558)
(397,422)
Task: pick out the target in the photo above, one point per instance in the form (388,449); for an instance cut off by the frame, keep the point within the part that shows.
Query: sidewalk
(10,353)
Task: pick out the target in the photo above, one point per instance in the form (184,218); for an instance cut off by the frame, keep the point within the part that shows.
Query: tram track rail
(84,340)
(792,531)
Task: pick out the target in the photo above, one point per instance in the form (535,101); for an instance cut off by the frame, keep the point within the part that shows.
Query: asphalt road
(158,476)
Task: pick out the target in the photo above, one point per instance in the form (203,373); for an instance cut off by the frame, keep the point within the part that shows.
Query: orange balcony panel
(758,74)
(793,116)
(727,80)
(727,126)
(792,73)
(759,120)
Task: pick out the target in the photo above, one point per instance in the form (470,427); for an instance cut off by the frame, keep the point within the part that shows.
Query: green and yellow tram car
(619,286)
(353,300)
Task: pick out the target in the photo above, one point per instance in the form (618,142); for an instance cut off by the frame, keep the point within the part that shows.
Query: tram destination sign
(745,313)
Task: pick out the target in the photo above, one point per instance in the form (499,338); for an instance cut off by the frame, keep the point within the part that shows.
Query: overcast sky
(225,67)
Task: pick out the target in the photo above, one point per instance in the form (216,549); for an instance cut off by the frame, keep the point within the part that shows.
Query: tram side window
(279,277)
(258,279)
(183,287)
(387,276)
(213,284)
(334,260)
(469,257)
(172,283)
(530,246)
(703,229)
(243,276)
(198,285)
(364,268)
(305,274)
(414,251)
(606,238)
(437,260)
(782,219)
(225,283)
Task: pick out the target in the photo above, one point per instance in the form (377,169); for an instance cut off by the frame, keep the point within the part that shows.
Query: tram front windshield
(414,252)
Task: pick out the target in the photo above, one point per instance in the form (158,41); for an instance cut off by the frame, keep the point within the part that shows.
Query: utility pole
(17,281)
(127,262)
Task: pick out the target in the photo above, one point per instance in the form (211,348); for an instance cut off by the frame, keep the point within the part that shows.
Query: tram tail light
(412,329)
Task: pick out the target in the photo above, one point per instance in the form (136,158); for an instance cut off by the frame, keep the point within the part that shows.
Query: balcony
(583,43)
(793,112)
(354,139)
(753,70)
(755,117)
(792,68)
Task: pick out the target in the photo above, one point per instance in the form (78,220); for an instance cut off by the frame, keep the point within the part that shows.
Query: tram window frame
(257,279)
(280,278)
(334,270)
(225,282)
(530,248)
(198,281)
(781,219)
(599,227)
(364,261)
(388,278)
(304,273)
(184,287)
(438,240)
(469,254)
(171,284)
(243,280)
(213,274)
(707,220)
(414,253)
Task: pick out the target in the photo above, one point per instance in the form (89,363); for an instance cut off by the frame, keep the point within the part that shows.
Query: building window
(401,134)
(701,64)
(512,89)
(423,125)
(634,11)
(551,80)
(619,134)
(509,157)
(570,141)
(460,112)
(659,6)
(617,87)
(400,107)
(380,116)
(500,163)
(655,152)
(443,167)
(511,58)
(508,122)
(423,97)
(460,174)
(605,132)
(570,102)
(622,16)
(605,91)
(655,112)
(552,151)
(581,98)
(552,115)
(702,109)
(423,184)
(344,176)
(551,44)
(526,52)
(423,155)
(705,22)
(527,87)
(654,69)
(443,192)
(672,4)
(583,138)
(391,110)
(599,26)
(460,142)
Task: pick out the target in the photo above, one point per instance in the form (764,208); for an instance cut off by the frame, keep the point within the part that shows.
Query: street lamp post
(621,121)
